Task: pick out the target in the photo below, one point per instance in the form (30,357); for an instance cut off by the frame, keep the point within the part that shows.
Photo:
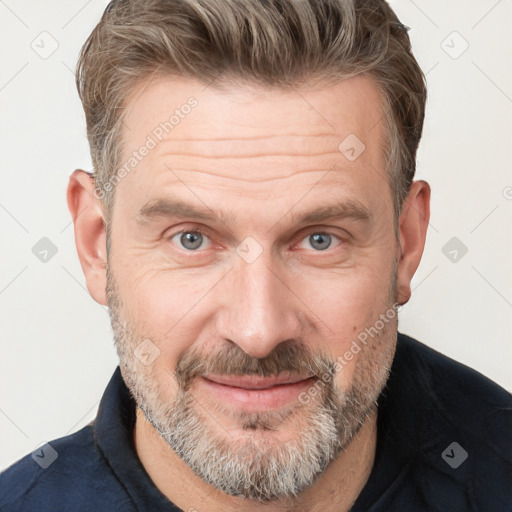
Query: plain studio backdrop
(57,351)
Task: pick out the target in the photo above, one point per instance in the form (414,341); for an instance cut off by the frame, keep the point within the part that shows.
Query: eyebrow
(176,208)
(348,209)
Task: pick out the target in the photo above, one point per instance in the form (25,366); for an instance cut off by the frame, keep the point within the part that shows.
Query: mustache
(287,357)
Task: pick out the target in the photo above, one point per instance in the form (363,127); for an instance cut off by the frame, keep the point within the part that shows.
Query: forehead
(253,142)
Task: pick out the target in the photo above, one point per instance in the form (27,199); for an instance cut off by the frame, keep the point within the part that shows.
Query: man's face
(207,309)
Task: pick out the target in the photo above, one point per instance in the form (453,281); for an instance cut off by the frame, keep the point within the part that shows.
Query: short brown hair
(274,43)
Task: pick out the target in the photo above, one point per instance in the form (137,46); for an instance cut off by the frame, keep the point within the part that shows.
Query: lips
(253,393)
(255,382)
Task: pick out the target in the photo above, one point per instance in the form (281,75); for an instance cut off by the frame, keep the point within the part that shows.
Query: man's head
(256,130)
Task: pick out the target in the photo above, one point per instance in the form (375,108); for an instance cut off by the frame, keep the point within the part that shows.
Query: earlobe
(90,234)
(413,226)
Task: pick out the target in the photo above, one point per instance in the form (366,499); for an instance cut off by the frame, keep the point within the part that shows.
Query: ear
(90,235)
(413,224)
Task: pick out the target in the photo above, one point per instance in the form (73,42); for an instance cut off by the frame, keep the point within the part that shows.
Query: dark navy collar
(113,434)
(401,424)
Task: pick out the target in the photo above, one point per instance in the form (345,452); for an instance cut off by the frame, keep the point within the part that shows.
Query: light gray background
(57,351)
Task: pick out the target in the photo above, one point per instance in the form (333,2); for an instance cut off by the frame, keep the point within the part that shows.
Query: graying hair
(272,43)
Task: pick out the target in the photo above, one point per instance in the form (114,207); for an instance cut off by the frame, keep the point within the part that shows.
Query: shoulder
(463,425)
(68,473)
(456,398)
(452,382)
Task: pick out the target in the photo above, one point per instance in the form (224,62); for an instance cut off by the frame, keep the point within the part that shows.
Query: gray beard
(247,467)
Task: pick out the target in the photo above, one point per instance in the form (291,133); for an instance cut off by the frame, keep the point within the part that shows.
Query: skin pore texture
(253,290)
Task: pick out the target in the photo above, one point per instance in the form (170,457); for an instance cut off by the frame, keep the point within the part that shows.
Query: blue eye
(320,241)
(190,240)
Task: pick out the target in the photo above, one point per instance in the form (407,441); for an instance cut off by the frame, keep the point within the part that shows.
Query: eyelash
(204,234)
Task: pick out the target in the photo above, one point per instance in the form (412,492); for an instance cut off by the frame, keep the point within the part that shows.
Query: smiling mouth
(256,382)
(254,393)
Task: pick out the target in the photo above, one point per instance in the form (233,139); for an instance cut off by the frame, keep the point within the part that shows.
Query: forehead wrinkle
(254,134)
(256,137)
(254,181)
(231,155)
(302,146)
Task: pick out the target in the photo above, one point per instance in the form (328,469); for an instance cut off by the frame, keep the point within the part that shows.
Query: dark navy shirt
(444,443)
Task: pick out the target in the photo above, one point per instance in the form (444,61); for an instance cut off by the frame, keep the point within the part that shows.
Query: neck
(336,489)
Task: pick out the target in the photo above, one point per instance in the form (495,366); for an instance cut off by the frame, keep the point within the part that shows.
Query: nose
(259,309)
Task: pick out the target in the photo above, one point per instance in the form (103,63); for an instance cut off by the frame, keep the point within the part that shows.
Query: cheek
(168,307)
(346,308)
(346,303)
